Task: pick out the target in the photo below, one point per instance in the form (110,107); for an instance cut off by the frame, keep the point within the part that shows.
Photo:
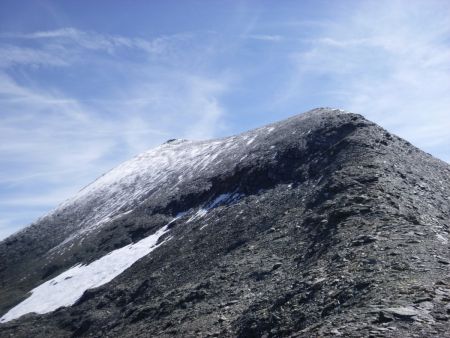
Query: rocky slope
(320,225)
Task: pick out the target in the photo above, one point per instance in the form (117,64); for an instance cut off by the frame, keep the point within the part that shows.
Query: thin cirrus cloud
(387,60)
(13,55)
(263,37)
(53,143)
(95,41)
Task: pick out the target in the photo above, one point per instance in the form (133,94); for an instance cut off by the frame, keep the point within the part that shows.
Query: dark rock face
(336,228)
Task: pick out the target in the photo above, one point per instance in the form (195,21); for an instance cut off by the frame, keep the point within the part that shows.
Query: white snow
(341,111)
(442,238)
(66,288)
(251,140)
(218,200)
(199,214)
(243,158)
(221,199)
(69,286)
(159,171)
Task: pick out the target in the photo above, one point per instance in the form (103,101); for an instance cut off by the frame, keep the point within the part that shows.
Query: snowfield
(69,286)
(66,288)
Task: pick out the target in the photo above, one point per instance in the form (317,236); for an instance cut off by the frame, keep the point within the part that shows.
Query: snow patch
(242,158)
(219,200)
(251,140)
(199,214)
(442,238)
(341,111)
(66,288)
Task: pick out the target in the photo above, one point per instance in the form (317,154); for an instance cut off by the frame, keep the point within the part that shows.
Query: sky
(86,85)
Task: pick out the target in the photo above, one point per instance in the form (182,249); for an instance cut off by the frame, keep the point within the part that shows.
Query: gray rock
(403,312)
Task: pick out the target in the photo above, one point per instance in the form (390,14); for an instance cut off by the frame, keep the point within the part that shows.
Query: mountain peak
(175,141)
(321,224)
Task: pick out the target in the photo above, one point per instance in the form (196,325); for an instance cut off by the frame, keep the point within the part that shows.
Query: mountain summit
(323,224)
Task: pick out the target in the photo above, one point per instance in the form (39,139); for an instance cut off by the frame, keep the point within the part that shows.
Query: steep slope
(323,224)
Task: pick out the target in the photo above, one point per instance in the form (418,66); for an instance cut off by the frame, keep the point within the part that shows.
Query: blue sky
(85,85)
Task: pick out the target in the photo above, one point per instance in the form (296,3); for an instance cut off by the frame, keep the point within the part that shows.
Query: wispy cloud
(13,55)
(263,37)
(387,60)
(53,141)
(97,41)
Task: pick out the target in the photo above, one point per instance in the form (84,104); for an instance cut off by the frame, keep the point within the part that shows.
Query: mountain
(321,225)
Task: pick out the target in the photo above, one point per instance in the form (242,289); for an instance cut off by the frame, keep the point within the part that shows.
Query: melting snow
(69,286)
(221,199)
(66,288)
(199,214)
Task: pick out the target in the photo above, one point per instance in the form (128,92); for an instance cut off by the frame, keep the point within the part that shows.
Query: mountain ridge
(311,182)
